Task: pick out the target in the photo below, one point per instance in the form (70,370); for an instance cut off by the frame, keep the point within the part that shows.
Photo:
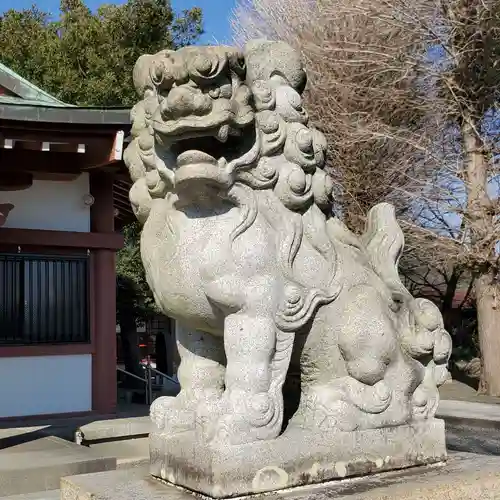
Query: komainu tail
(384,241)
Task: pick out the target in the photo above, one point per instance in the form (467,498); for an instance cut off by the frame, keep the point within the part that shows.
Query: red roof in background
(459,297)
(7,92)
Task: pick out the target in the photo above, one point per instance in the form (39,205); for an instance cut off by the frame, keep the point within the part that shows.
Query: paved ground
(465,476)
(472,423)
(39,464)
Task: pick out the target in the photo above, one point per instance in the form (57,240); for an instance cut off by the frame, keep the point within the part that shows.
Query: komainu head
(213,117)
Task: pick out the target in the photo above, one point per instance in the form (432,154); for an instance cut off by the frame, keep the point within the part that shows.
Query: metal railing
(148,380)
(149,375)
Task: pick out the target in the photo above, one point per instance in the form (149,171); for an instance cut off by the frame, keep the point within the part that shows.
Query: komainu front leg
(255,374)
(201,376)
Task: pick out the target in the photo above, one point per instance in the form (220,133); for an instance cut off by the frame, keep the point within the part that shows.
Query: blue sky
(216,13)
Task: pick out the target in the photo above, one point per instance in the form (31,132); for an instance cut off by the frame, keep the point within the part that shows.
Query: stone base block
(296,458)
(464,476)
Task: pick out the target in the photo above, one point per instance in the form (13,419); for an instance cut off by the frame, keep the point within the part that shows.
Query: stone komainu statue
(240,246)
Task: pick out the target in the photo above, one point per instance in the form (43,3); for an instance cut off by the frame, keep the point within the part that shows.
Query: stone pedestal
(298,457)
(465,476)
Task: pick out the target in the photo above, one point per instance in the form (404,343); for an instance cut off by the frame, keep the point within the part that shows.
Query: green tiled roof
(26,90)
(10,99)
(27,102)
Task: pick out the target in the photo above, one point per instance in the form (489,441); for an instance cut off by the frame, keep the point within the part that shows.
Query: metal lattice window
(43,300)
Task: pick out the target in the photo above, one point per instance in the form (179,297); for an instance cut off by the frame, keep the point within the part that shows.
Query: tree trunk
(447,305)
(480,224)
(488,318)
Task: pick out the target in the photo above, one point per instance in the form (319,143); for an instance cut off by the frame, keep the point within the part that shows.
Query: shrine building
(63,200)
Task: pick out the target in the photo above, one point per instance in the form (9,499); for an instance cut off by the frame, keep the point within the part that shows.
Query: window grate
(43,300)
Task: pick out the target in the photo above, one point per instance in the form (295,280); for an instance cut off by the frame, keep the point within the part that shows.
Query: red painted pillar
(103,301)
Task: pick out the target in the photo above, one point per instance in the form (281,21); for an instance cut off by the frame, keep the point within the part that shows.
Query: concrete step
(130,453)
(39,495)
(471,427)
(113,430)
(468,412)
(38,465)
(14,432)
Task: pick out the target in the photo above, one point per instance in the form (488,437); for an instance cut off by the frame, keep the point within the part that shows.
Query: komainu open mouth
(222,147)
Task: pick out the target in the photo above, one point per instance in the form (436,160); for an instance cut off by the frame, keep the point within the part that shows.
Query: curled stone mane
(290,162)
(281,174)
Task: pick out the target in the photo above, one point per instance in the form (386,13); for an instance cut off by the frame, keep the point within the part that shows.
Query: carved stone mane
(286,154)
